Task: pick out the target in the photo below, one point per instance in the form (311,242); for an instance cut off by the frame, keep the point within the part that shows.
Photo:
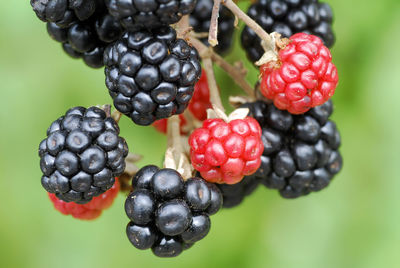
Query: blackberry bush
(300,151)
(84,28)
(151,14)
(200,21)
(82,155)
(151,74)
(288,17)
(167,213)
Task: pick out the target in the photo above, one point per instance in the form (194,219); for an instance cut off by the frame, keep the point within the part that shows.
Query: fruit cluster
(280,135)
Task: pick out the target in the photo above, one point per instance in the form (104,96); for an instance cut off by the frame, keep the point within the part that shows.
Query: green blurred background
(354,223)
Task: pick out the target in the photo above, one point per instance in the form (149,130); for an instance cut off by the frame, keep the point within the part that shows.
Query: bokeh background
(353,223)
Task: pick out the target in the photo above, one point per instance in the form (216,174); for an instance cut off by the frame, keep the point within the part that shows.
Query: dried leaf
(240,113)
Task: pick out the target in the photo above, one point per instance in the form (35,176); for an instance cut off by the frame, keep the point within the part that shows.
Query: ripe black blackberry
(83,27)
(151,74)
(234,194)
(167,213)
(300,151)
(200,21)
(288,17)
(82,155)
(65,12)
(151,14)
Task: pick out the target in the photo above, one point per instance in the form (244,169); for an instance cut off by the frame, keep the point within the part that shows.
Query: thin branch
(174,134)
(237,74)
(175,156)
(215,97)
(213,32)
(250,22)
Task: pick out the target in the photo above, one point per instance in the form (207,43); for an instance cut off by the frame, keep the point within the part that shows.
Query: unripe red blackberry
(82,155)
(201,99)
(288,17)
(84,28)
(167,213)
(301,152)
(226,152)
(302,77)
(151,74)
(151,14)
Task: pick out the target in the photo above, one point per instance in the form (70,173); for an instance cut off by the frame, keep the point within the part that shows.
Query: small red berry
(201,99)
(303,77)
(91,210)
(226,152)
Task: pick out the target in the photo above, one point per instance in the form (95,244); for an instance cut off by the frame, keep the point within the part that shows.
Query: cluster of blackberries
(288,17)
(151,74)
(200,21)
(82,155)
(83,27)
(167,213)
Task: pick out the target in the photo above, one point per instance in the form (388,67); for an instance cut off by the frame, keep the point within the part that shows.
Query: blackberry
(84,28)
(151,14)
(151,74)
(288,17)
(234,194)
(200,21)
(300,151)
(82,155)
(167,213)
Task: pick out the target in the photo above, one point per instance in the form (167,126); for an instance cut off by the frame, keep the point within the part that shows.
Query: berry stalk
(213,33)
(251,23)
(237,73)
(175,157)
(215,97)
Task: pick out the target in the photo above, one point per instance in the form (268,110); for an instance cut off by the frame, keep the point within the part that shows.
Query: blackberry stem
(107,109)
(237,73)
(215,97)
(130,171)
(213,33)
(173,133)
(250,23)
(175,157)
(116,115)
